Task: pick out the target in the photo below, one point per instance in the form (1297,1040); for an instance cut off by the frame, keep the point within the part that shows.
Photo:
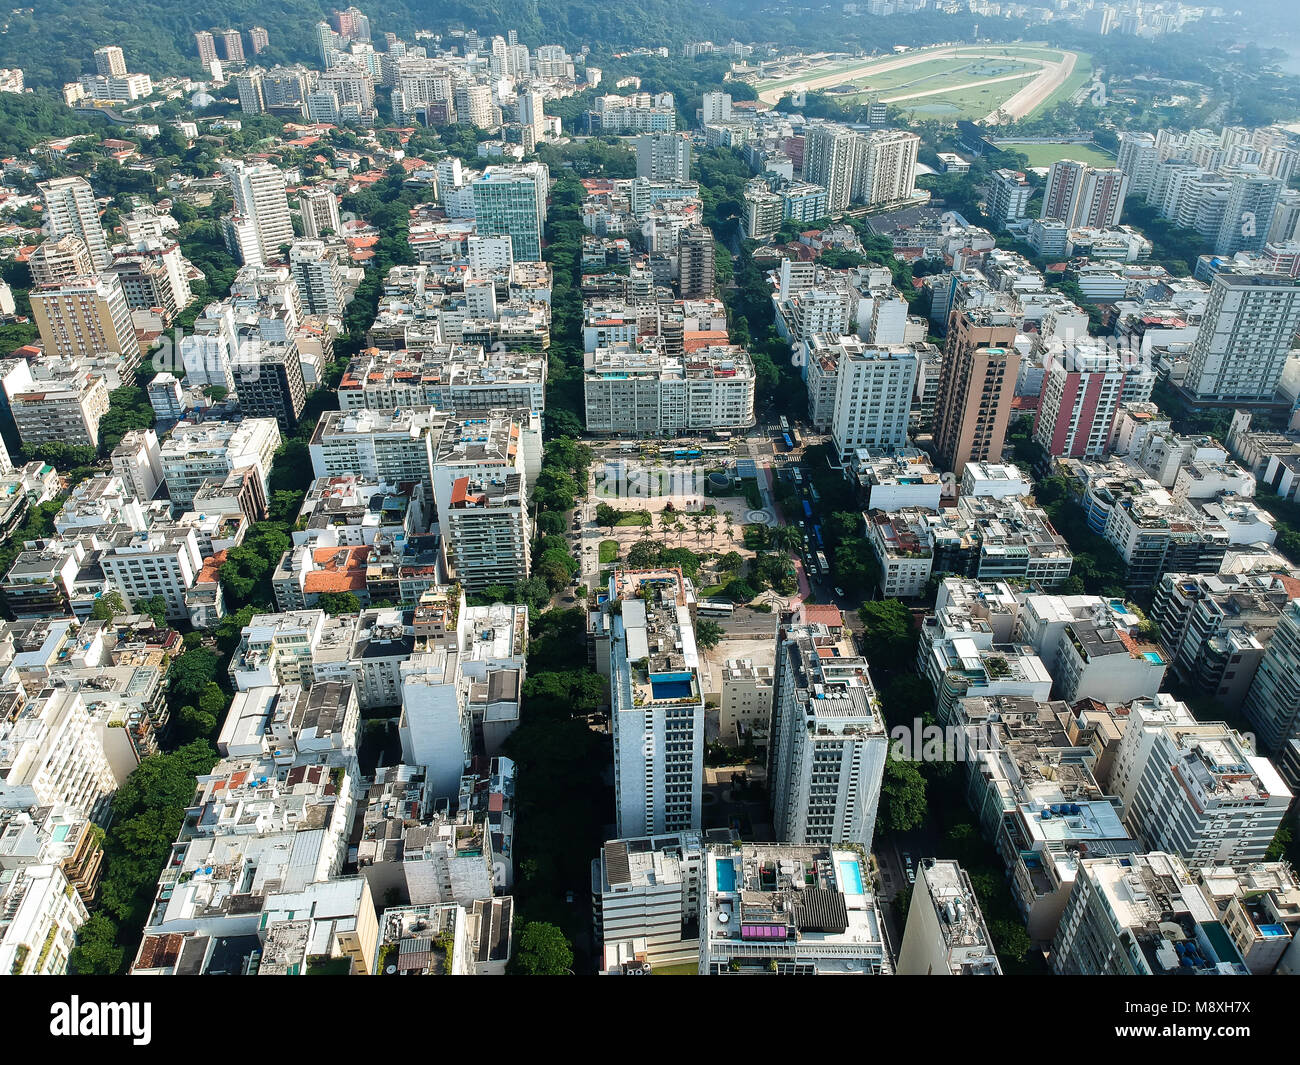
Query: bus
(807,509)
(785,424)
(817,535)
(713,608)
(794,435)
(789,444)
(822,564)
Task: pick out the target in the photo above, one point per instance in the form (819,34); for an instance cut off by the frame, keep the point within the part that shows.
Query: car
(911,875)
(839,591)
(907,859)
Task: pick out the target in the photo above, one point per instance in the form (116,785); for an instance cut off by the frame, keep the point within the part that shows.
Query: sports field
(981,82)
(1047,154)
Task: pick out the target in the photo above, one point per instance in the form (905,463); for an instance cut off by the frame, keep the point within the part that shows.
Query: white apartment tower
(72,211)
(1245,337)
(657,704)
(873,396)
(319,208)
(828,748)
(663,156)
(261,223)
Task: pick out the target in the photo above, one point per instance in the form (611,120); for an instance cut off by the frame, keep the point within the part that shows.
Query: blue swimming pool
(851,878)
(726,874)
(671,685)
(1153,656)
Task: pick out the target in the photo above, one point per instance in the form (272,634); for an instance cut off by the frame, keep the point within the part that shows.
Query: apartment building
(657,702)
(784,909)
(1140,915)
(945,933)
(393,446)
(1272,703)
(87,317)
(1245,338)
(645,891)
(72,211)
(647,393)
(1215,628)
(197,452)
(976,383)
(1194,789)
(161,561)
(65,408)
(260,224)
(873,396)
(827,756)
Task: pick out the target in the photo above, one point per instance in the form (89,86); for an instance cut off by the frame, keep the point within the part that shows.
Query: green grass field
(1047,154)
(973,63)
(608,551)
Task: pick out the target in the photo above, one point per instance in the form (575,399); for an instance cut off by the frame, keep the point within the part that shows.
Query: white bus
(713,609)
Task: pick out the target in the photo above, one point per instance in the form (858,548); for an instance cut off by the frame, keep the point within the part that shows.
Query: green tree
(336,603)
(108,606)
(708,633)
(541,950)
(96,952)
(902,796)
(889,637)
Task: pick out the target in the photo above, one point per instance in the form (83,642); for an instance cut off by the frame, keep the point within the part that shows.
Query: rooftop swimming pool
(1153,656)
(851,878)
(726,874)
(671,685)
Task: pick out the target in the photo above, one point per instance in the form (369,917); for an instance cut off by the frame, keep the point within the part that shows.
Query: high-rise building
(1245,337)
(86,316)
(697,263)
(109,62)
(716,107)
(530,106)
(55,261)
(976,384)
(826,760)
(268,382)
(318,275)
(258,40)
(1008,195)
(888,170)
(873,395)
(831,159)
(1273,702)
(72,210)
(261,223)
(1083,389)
(1195,789)
(1120,917)
(319,208)
(511,200)
(663,156)
(1080,195)
(1138,158)
(352,24)
(656,702)
(284,90)
(232,46)
(249,87)
(207,47)
(473,103)
(1248,213)
(387,446)
(945,934)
